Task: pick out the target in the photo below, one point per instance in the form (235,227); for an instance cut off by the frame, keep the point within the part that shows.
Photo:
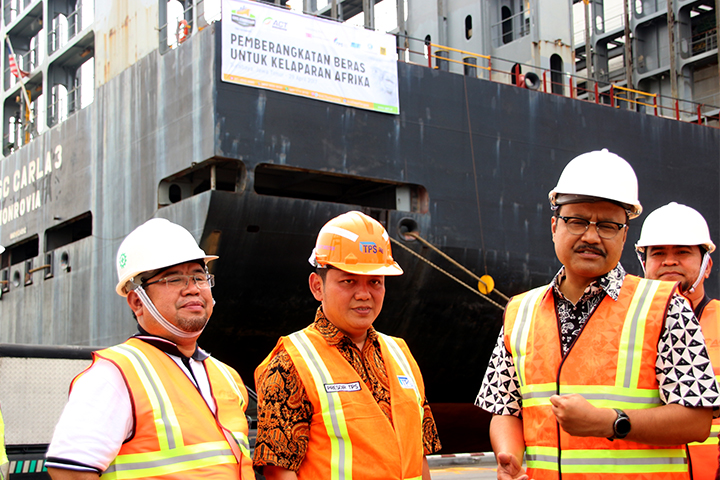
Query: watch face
(622,426)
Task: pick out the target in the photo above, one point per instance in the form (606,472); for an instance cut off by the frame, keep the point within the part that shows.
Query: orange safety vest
(176,435)
(704,455)
(350,436)
(611,364)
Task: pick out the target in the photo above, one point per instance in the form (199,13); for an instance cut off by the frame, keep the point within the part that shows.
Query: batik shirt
(682,368)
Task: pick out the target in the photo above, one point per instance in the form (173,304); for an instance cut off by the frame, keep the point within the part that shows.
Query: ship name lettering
(32,172)
(17,209)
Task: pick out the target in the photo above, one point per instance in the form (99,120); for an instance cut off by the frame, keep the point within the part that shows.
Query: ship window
(226,175)
(68,232)
(176,20)
(556,74)
(20,252)
(282,181)
(468,27)
(515,73)
(639,7)
(507,33)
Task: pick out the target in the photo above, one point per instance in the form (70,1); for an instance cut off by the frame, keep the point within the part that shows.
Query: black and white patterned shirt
(682,368)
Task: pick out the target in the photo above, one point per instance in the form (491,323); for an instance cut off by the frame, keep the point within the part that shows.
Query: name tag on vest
(342,387)
(406,382)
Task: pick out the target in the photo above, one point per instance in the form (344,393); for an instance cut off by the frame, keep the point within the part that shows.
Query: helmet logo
(123,260)
(369,247)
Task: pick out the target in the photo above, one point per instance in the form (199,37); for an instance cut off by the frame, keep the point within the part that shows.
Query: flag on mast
(13,65)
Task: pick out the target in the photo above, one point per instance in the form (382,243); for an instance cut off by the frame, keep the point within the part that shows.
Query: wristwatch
(621,427)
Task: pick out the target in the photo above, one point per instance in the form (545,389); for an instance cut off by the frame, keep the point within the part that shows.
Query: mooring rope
(474,290)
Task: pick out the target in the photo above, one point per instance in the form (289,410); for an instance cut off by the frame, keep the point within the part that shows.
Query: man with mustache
(598,374)
(675,246)
(339,400)
(156,406)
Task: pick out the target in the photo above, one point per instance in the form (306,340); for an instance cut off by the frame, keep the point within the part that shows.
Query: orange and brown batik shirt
(285,414)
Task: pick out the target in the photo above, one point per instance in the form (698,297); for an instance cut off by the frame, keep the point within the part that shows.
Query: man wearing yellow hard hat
(675,246)
(339,399)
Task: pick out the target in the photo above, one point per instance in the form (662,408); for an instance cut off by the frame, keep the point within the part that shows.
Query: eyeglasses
(180,282)
(606,230)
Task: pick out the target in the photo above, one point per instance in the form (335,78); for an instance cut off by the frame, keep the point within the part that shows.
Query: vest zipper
(562,362)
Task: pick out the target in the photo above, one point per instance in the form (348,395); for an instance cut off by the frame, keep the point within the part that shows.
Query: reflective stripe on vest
(704,455)
(400,359)
(521,330)
(240,437)
(332,411)
(710,324)
(625,392)
(173,455)
(607,461)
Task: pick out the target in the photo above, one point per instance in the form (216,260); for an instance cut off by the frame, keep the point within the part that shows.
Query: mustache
(591,248)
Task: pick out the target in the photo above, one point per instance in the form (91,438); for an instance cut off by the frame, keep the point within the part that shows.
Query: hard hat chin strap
(642,261)
(701,275)
(161,320)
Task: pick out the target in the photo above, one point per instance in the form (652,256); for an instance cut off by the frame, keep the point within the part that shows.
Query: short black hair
(322,272)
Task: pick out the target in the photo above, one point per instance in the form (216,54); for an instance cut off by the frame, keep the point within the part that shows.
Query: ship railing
(510,28)
(74,21)
(703,42)
(602,92)
(469,60)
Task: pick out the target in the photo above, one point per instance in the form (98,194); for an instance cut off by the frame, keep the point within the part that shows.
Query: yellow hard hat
(355,243)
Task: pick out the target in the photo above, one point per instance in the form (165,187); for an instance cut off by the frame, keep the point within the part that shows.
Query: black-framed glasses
(606,230)
(180,282)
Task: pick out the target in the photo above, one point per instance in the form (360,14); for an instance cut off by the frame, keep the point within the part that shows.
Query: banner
(276,49)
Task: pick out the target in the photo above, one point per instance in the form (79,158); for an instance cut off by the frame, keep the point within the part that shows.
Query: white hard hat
(675,224)
(2,249)
(598,175)
(156,244)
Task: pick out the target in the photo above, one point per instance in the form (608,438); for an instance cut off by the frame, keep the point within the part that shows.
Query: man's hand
(579,418)
(509,467)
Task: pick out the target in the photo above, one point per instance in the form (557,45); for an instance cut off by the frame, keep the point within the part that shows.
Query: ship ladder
(485,283)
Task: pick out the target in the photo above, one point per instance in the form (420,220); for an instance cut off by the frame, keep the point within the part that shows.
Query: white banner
(269,47)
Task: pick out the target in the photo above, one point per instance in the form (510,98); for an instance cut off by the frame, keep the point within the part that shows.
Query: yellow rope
(446,257)
(475,291)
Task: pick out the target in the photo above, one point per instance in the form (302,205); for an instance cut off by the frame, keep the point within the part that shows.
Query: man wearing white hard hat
(598,374)
(675,246)
(338,400)
(157,405)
